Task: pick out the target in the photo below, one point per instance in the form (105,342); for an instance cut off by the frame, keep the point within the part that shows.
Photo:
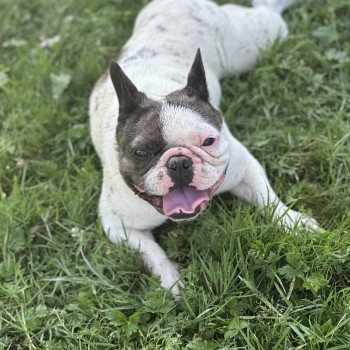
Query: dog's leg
(153,256)
(252,29)
(254,187)
(275,5)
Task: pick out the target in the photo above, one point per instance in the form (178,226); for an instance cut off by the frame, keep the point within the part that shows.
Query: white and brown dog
(157,128)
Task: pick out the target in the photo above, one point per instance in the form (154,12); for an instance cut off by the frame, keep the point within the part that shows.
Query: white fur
(230,38)
(181,125)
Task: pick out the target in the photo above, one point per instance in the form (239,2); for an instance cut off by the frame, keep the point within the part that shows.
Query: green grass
(250,285)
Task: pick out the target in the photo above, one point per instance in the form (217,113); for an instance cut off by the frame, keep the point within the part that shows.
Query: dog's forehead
(180,123)
(170,121)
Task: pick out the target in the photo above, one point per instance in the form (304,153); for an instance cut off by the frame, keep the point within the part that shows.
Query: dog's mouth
(182,203)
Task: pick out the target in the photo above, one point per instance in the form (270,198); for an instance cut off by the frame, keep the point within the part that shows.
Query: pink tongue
(183,200)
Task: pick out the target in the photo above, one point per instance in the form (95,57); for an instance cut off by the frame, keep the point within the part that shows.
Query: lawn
(249,284)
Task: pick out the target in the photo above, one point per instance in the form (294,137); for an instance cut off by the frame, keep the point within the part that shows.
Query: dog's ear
(196,82)
(129,97)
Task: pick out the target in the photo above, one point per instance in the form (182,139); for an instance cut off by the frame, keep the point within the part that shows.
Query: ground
(249,284)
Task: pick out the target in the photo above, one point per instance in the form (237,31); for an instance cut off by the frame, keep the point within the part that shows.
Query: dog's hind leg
(250,31)
(275,5)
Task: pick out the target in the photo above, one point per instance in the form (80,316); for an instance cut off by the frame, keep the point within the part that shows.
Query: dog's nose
(179,163)
(180,170)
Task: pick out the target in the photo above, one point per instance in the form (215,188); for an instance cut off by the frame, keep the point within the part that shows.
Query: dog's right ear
(129,97)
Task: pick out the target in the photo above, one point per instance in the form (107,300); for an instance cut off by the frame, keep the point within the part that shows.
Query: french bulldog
(156,125)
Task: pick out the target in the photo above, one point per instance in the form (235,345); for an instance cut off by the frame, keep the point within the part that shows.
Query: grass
(250,285)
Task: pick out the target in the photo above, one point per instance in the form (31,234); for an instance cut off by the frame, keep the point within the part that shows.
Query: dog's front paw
(170,278)
(291,219)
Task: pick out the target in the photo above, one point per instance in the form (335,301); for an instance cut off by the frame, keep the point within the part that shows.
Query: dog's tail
(275,5)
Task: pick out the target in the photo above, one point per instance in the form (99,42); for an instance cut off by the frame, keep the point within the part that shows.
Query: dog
(155,122)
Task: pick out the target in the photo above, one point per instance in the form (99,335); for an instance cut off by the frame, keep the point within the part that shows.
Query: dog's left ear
(129,97)
(196,82)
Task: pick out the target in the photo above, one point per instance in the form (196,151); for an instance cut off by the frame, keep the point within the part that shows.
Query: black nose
(180,170)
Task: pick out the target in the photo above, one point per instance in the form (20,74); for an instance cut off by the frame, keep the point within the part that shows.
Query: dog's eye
(209,141)
(141,153)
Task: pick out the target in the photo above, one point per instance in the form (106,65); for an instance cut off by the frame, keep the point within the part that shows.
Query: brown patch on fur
(138,125)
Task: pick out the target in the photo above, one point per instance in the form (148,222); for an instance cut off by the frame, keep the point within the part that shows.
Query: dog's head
(172,152)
